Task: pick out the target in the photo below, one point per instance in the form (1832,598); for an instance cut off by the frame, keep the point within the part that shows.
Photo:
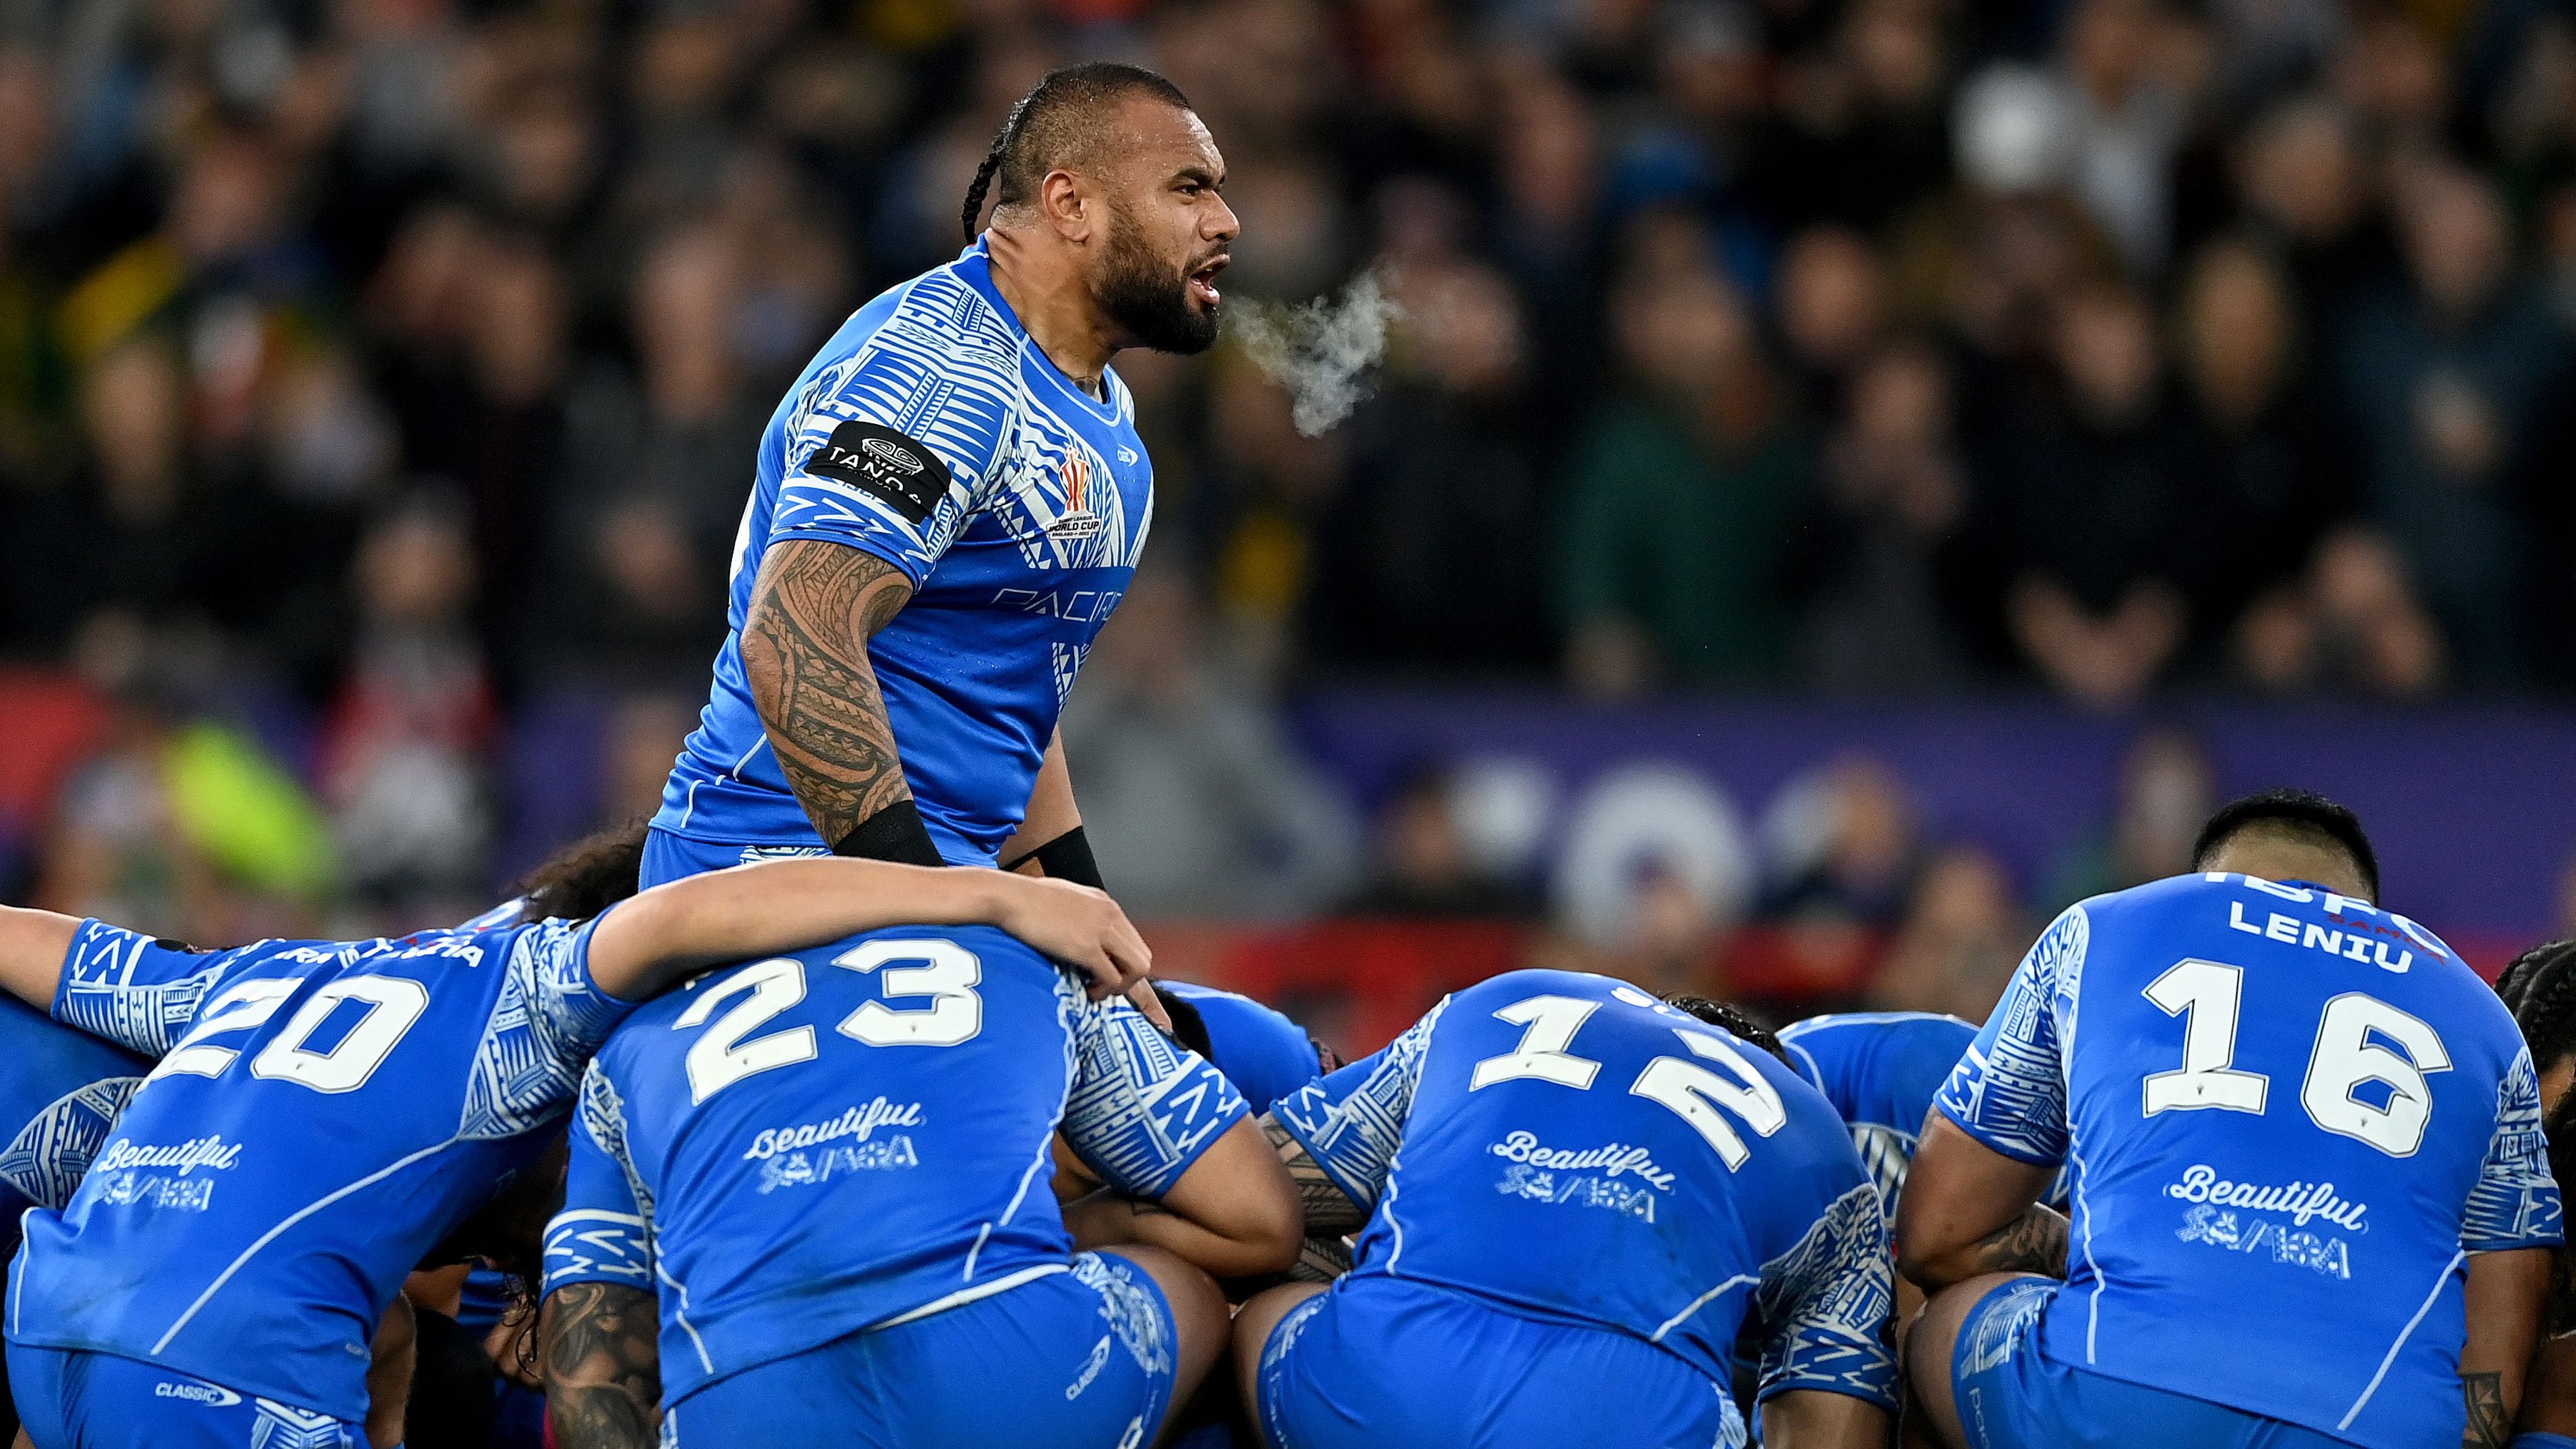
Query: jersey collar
(975,264)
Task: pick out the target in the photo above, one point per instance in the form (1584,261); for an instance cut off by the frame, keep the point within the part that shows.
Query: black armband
(894,833)
(1067,857)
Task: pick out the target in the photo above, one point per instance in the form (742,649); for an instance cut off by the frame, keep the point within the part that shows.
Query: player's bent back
(2291,1119)
(1579,1196)
(832,1167)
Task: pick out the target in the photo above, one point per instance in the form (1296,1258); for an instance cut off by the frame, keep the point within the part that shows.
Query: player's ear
(1066,202)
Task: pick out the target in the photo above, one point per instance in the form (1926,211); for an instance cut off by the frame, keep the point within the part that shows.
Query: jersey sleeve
(1823,1306)
(2516,1203)
(605,1232)
(139,992)
(1352,1121)
(890,449)
(47,1159)
(2009,1091)
(1143,1107)
(550,1017)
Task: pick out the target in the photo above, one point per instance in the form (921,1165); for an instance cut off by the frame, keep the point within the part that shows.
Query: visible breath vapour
(1319,350)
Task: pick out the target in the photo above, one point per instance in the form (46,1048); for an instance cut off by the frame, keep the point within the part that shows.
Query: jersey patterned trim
(47,1159)
(99,994)
(1142,1109)
(551,1016)
(2012,1096)
(1355,1140)
(2516,1203)
(1828,1300)
(944,371)
(590,1245)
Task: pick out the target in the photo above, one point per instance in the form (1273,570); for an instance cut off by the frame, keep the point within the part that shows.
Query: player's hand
(1080,926)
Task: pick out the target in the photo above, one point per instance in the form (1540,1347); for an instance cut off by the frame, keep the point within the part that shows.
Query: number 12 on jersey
(2209,996)
(1691,1091)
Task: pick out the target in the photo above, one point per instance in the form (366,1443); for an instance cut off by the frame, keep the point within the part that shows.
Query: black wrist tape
(894,833)
(1067,857)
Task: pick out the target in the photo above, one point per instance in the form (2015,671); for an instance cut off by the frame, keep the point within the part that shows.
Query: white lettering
(2236,919)
(2319,938)
(2282,928)
(857,1122)
(208,1152)
(2302,1201)
(1610,1160)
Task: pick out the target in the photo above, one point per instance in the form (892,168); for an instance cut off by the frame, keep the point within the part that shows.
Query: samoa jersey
(858,1135)
(1266,1055)
(2289,1117)
(933,433)
(1880,1069)
(322,1113)
(60,1091)
(1566,1147)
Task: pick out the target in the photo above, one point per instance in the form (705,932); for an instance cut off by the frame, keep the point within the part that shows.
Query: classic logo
(1078,520)
(206,1394)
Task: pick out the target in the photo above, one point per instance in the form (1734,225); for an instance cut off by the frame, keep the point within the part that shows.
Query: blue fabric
(2542,1441)
(669,857)
(2354,1114)
(76,1400)
(1266,1055)
(1079,1360)
(1382,1363)
(1880,1069)
(1573,1148)
(322,1114)
(1043,499)
(2010,1395)
(59,1091)
(910,1080)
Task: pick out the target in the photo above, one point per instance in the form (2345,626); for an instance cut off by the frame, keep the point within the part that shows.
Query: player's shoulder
(1847,1030)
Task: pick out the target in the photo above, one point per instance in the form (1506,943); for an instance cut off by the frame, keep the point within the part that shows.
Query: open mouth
(1202,283)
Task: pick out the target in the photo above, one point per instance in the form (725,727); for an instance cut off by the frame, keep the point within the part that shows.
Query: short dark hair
(1734,1020)
(2303,814)
(1055,123)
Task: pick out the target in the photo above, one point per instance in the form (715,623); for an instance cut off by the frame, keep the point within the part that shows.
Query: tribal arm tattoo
(2035,1242)
(603,1366)
(2490,1422)
(1330,1213)
(805,655)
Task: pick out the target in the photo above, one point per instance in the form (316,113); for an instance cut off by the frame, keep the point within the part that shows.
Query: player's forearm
(1811,1419)
(1327,1210)
(396,1354)
(603,1366)
(805,658)
(1233,1213)
(32,947)
(2502,1299)
(1052,812)
(2034,1242)
(672,930)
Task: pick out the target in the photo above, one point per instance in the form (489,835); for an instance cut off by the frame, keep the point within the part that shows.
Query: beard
(1147,297)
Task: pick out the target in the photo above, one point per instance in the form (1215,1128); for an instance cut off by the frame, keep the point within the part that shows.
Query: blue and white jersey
(60,1091)
(1568,1147)
(1880,1069)
(798,1148)
(1266,1055)
(933,433)
(322,1113)
(2290,1118)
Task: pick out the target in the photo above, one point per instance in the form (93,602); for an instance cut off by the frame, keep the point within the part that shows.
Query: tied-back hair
(1732,1019)
(2539,988)
(1053,123)
(586,877)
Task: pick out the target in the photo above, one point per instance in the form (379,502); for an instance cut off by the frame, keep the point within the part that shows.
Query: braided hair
(1734,1020)
(2539,988)
(1048,128)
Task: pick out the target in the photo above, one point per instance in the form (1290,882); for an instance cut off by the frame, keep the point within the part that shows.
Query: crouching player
(2312,1201)
(830,1169)
(1576,1197)
(323,1112)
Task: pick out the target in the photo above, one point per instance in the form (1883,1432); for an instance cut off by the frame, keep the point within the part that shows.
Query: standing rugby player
(949,503)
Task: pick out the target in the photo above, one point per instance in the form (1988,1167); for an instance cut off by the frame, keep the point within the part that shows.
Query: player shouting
(949,502)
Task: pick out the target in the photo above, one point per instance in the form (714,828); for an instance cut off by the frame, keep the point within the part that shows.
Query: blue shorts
(1383,1363)
(2012,1396)
(69,1399)
(1082,1360)
(669,857)
(2536,1440)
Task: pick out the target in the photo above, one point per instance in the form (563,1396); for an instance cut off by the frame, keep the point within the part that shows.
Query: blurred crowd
(373,371)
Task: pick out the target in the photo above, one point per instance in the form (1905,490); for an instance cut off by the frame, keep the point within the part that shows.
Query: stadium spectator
(1424,865)
(1961,937)
(2167,787)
